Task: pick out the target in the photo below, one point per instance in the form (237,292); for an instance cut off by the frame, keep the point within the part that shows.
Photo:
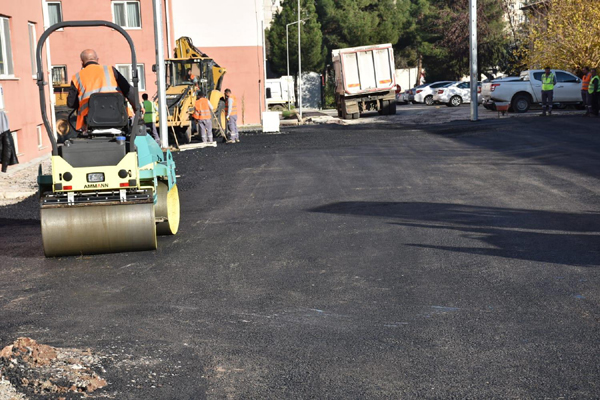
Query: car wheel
(521,103)
(429,100)
(456,101)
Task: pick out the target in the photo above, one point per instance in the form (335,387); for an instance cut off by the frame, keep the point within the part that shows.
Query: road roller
(112,188)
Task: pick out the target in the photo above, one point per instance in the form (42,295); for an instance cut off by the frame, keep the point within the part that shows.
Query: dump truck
(188,72)
(111,188)
(364,80)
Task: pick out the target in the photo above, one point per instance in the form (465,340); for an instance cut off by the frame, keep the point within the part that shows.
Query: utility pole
(160,74)
(287,47)
(299,69)
(473,57)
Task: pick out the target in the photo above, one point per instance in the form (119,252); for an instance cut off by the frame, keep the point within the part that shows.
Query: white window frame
(3,49)
(112,9)
(60,13)
(141,75)
(32,46)
(15,135)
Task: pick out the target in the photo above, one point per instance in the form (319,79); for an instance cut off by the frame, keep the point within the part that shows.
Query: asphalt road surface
(454,260)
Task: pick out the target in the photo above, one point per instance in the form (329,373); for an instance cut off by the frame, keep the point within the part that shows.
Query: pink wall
(244,70)
(21,99)
(110,45)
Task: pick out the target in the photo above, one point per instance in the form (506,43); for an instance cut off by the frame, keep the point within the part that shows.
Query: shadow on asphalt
(546,236)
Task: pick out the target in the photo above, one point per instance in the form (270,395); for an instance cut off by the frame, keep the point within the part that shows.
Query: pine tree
(313,51)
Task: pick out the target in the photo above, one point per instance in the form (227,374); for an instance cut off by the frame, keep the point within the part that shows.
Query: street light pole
(287,47)
(160,74)
(299,69)
(473,57)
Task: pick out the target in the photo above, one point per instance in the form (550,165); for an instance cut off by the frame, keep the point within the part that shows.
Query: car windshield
(449,84)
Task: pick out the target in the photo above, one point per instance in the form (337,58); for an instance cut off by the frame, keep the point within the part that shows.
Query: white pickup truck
(523,92)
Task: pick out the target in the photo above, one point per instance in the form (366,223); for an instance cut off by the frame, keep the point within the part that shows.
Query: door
(568,88)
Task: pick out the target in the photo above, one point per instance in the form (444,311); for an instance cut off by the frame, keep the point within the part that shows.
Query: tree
(313,51)
(564,34)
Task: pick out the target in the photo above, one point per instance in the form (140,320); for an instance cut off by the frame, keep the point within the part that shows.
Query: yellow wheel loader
(188,72)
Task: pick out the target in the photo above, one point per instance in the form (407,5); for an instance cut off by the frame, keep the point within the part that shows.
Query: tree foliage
(313,51)
(564,34)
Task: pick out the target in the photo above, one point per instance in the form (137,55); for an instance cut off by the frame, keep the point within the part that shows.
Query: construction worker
(95,78)
(548,82)
(150,110)
(594,92)
(585,85)
(231,113)
(202,115)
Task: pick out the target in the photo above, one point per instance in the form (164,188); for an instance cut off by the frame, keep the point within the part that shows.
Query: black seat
(107,110)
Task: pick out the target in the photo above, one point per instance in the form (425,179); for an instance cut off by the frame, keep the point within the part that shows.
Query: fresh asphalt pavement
(455,260)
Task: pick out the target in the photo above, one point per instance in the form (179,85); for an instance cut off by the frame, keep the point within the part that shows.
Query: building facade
(21,25)
(232,33)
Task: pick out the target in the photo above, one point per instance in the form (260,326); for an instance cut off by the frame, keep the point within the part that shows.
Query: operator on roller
(95,78)
(202,115)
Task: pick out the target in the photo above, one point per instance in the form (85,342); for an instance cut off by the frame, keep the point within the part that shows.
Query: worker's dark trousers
(232,128)
(595,104)
(547,97)
(153,131)
(204,127)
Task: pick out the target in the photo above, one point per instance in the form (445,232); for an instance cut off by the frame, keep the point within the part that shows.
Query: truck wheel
(521,103)
(429,100)
(384,107)
(184,134)
(455,101)
(277,108)
(392,108)
(355,115)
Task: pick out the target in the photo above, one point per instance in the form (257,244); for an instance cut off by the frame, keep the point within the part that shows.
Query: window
(125,70)
(6,63)
(32,44)
(39,136)
(55,12)
(566,78)
(59,74)
(537,76)
(464,85)
(15,136)
(127,14)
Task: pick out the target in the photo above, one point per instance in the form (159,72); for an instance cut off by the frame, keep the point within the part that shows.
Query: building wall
(21,98)
(234,39)
(111,47)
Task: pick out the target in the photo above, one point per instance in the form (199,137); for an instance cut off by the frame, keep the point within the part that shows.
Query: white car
(527,90)
(424,93)
(454,94)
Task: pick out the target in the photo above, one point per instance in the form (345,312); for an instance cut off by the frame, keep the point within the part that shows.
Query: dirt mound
(40,369)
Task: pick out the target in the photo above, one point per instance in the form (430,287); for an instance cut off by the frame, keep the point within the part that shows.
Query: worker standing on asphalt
(95,78)
(202,115)
(548,82)
(231,113)
(585,85)
(150,116)
(594,92)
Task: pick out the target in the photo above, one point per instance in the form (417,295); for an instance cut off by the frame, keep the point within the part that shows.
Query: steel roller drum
(97,229)
(167,206)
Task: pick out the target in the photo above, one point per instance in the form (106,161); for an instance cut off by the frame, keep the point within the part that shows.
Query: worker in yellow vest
(202,115)
(231,113)
(585,85)
(149,109)
(548,82)
(594,91)
(95,78)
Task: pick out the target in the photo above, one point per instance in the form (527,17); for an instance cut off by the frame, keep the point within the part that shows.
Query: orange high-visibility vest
(201,109)
(585,81)
(233,106)
(92,79)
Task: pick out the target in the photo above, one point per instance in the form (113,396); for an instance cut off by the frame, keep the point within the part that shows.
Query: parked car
(521,93)
(454,94)
(424,93)
(408,96)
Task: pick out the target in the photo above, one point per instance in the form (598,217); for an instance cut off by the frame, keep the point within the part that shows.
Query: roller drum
(94,229)
(167,208)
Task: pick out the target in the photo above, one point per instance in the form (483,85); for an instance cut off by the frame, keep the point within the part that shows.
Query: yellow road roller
(112,188)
